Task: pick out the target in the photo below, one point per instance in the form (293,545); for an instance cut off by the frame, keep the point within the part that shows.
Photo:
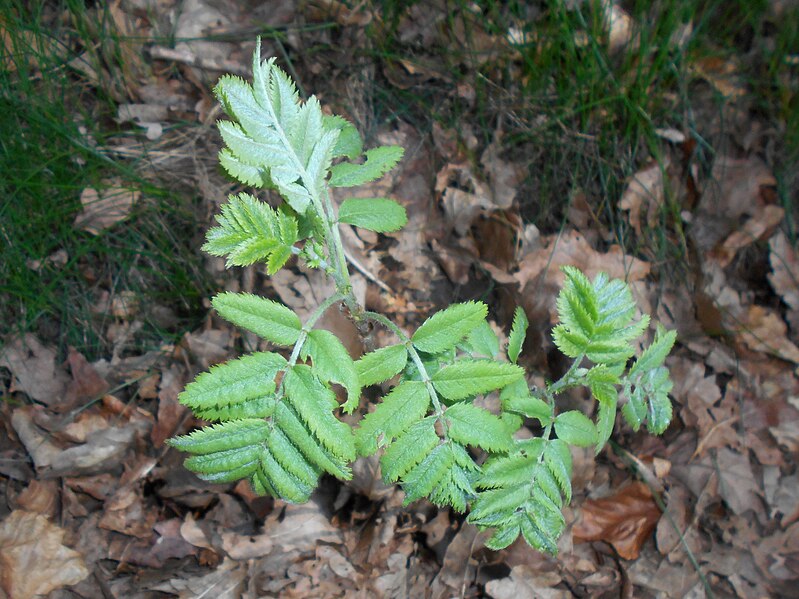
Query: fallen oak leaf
(625,519)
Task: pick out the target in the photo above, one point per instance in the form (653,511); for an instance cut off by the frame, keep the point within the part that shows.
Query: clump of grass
(50,150)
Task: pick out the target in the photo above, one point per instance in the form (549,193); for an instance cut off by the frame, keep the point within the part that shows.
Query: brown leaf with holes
(625,519)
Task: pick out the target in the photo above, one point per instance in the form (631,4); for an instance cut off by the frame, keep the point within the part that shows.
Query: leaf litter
(88,481)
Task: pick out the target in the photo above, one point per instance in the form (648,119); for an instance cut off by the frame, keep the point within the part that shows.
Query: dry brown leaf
(301,527)
(722,74)
(737,483)
(644,196)
(208,347)
(733,191)
(337,562)
(504,177)
(702,409)
(125,513)
(225,582)
(33,366)
(40,497)
(625,519)
(170,411)
(246,546)
(103,448)
(760,226)
(764,331)
(86,383)
(675,523)
(33,558)
(778,557)
(325,10)
(524,583)
(571,248)
(105,207)
(458,567)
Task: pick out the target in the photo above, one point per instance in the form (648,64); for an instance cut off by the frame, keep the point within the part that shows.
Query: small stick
(188,57)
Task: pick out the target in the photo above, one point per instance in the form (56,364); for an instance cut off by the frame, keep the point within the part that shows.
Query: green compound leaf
(410,448)
(634,411)
(483,341)
(287,419)
(407,403)
(596,318)
(658,385)
(275,139)
(649,401)
(445,476)
(250,231)
(220,437)
(526,490)
(315,402)
(380,365)
(518,331)
(446,328)
(375,214)
(466,378)
(378,162)
(607,397)
(333,363)
(575,428)
(655,355)
(470,425)
(267,319)
(242,388)
(225,466)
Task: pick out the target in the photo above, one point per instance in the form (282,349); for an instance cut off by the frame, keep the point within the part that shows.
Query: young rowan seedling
(275,418)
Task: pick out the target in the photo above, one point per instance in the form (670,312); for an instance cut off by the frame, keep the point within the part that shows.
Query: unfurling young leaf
(375,214)
(446,328)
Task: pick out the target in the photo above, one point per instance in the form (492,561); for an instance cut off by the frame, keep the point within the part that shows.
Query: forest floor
(654,141)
